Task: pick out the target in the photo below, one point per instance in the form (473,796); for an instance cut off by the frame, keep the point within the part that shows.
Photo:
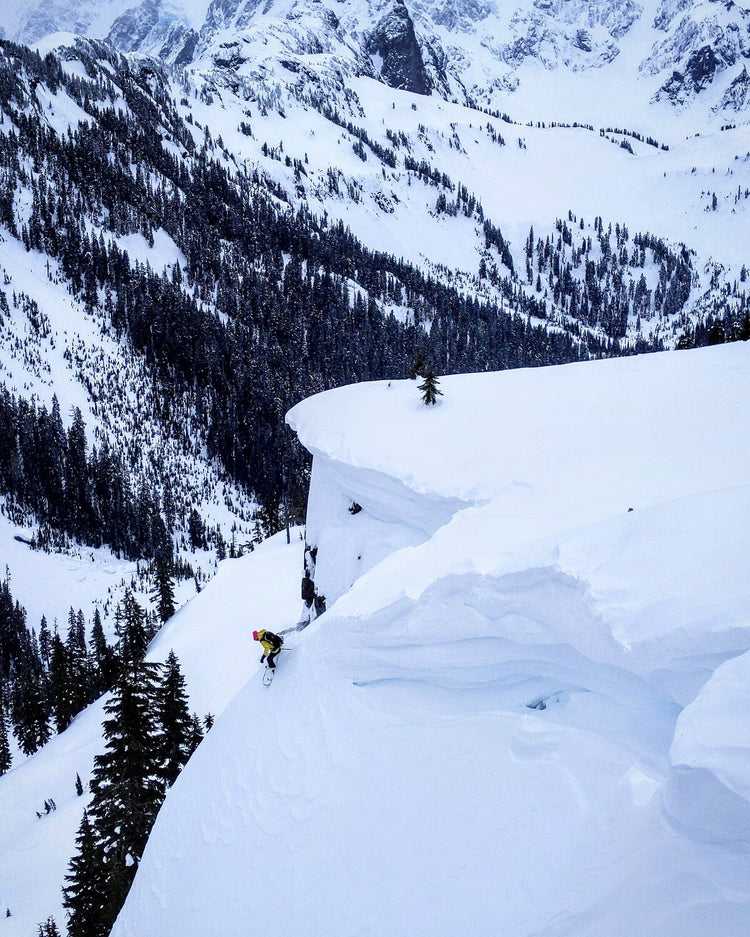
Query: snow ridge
(523,683)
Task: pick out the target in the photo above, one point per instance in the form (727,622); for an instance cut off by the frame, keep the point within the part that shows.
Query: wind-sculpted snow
(713,732)
(371,512)
(535,712)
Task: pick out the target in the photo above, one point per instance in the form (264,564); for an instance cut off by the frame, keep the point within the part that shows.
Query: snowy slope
(509,725)
(211,637)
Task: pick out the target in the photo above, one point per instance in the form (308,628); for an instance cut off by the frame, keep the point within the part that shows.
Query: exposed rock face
(39,19)
(129,31)
(148,28)
(556,32)
(668,10)
(702,40)
(394,42)
(453,14)
(692,28)
(179,45)
(737,96)
(222,13)
(700,71)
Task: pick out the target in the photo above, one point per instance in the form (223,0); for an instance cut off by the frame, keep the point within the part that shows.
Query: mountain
(186,236)
(469,51)
(526,697)
(212,211)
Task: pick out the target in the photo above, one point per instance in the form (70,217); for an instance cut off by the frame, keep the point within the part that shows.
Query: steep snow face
(211,636)
(356,517)
(486,718)
(714,731)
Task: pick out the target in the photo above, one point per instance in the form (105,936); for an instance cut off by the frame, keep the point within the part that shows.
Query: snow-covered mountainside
(491,54)
(527,720)
(465,50)
(212,210)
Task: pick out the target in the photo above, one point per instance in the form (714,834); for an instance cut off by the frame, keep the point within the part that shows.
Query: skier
(271,646)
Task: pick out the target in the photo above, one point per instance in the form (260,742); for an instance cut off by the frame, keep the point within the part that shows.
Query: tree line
(47,676)
(149,735)
(46,679)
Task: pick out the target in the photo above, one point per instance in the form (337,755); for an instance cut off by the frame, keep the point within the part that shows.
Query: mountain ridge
(467,51)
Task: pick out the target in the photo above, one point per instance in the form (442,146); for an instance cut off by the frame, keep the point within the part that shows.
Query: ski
(268,675)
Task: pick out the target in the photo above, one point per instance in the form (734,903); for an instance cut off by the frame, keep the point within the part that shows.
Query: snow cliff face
(356,517)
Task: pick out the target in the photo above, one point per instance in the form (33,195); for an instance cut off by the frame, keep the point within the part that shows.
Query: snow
(50,584)
(713,732)
(529,447)
(528,721)
(164,253)
(210,636)
(524,699)
(526,703)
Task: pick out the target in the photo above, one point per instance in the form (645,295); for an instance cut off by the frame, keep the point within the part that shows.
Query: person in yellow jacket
(272,644)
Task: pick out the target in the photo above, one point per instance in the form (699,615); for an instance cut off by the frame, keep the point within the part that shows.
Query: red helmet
(255,635)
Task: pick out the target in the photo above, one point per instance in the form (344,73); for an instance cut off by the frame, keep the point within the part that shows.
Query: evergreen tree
(196,530)
(126,780)
(78,662)
(30,711)
(78,486)
(49,928)
(164,591)
(176,739)
(85,895)
(196,732)
(44,642)
(417,366)
(103,659)
(5,755)
(429,387)
(61,691)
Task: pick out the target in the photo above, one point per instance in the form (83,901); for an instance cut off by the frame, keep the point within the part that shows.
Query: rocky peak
(737,96)
(130,30)
(394,42)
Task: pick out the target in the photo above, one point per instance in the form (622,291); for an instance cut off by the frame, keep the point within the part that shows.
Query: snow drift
(527,717)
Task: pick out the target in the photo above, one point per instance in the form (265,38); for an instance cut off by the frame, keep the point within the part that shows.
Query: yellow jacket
(271,642)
